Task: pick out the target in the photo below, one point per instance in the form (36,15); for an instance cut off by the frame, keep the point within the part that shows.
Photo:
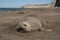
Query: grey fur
(32,23)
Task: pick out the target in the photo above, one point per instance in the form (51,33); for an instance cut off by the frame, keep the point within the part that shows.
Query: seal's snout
(20,29)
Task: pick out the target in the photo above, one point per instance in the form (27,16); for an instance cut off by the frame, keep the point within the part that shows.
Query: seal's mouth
(20,29)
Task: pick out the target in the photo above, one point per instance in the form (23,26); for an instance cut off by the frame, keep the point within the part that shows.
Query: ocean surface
(14,9)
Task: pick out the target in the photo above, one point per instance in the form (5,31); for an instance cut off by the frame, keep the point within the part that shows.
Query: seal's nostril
(18,29)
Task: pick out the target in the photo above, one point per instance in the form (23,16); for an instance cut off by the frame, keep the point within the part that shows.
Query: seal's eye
(25,25)
(18,25)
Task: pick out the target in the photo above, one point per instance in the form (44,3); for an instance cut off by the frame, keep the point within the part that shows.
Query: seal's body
(31,23)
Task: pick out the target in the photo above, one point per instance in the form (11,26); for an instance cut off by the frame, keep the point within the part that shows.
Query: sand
(8,21)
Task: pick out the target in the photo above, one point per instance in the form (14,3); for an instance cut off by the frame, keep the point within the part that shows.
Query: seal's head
(23,27)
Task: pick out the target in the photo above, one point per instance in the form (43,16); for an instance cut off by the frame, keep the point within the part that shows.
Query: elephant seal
(31,23)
